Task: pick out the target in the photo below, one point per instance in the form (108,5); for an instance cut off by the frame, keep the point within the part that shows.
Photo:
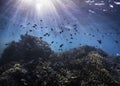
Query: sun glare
(39,5)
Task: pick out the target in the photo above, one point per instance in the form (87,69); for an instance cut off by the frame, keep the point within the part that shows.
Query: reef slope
(31,62)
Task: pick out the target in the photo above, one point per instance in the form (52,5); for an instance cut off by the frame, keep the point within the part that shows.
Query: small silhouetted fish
(116,41)
(61,31)
(41,20)
(30,30)
(99,41)
(34,26)
(70,34)
(80,44)
(51,29)
(70,42)
(41,37)
(93,35)
(6,44)
(61,45)
(28,23)
(21,25)
(75,29)
(46,34)
(52,42)
(75,25)
(71,38)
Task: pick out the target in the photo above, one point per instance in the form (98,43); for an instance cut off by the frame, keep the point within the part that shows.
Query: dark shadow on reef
(31,62)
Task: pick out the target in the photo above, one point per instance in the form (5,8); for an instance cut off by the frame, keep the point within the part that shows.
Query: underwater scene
(59,42)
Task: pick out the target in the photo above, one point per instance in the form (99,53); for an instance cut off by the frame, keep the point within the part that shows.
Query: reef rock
(27,48)
(82,66)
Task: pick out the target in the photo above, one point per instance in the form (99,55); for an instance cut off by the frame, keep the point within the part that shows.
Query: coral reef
(27,48)
(31,62)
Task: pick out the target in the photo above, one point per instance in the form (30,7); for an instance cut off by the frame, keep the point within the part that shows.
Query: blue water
(68,22)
